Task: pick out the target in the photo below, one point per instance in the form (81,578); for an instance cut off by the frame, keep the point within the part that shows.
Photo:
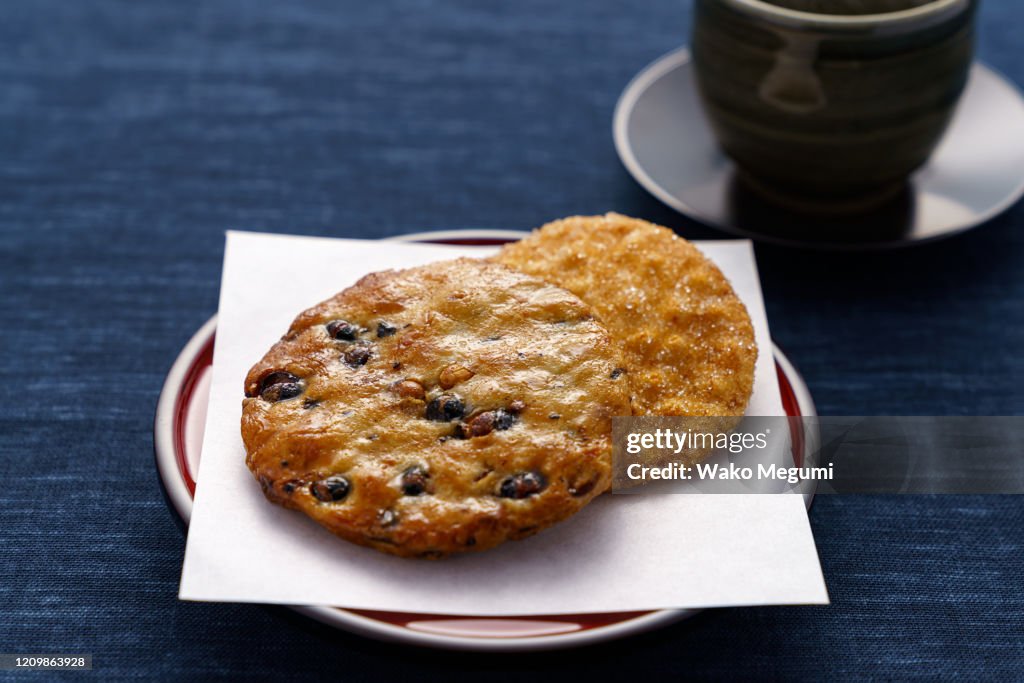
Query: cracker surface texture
(439,409)
(686,337)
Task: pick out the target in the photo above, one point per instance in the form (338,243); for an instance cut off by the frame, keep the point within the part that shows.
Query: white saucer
(976,173)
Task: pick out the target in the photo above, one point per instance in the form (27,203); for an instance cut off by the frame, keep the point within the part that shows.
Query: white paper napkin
(620,553)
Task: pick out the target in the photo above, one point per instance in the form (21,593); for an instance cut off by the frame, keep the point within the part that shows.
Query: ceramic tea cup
(832,108)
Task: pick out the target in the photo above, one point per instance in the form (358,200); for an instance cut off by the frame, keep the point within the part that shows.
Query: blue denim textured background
(133,134)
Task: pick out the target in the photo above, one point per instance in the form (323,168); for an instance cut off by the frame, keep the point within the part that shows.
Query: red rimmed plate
(178,437)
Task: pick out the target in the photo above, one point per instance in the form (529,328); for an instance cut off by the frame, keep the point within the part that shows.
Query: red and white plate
(178,439)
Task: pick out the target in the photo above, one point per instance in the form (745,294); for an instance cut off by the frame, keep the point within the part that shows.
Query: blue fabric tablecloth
(133,134)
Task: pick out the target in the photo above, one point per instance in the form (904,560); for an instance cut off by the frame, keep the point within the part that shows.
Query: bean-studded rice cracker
(437,409)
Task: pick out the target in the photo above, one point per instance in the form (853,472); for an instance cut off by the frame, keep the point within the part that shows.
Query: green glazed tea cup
(831,111)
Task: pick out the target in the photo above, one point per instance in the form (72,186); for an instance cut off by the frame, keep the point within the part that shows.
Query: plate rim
(175,392)
(680,57)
